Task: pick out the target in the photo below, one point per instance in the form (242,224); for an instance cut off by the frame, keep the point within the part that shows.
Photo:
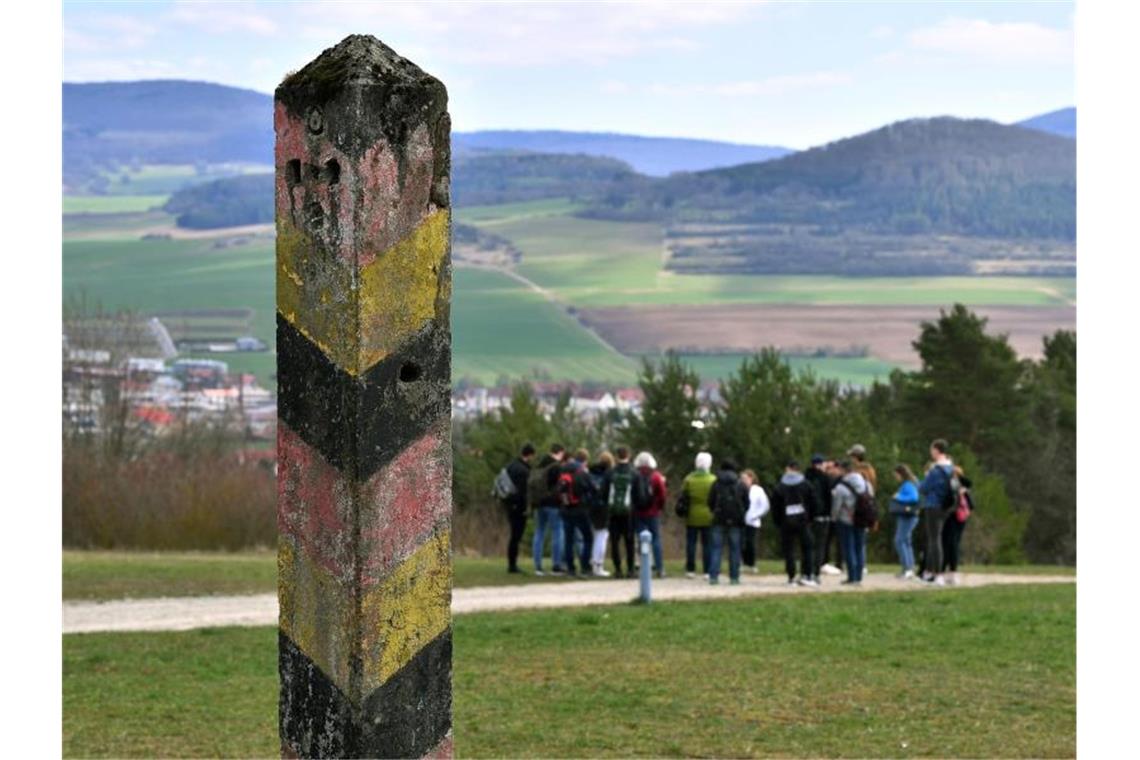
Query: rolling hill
(922,176)
(1061,122)
(654,156)
(108,124)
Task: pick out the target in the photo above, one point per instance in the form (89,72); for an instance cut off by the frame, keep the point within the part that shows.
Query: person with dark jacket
(619,496)
(548,511)
(728,500)
(576,491)
(519,473)
(953,527)
(936,489)
(599,510)
(794,501)
(822,531)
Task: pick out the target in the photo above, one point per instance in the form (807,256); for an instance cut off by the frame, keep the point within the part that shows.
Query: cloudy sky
(790,74)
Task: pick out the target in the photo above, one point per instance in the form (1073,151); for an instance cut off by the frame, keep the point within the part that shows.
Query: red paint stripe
(400,506)
(445,750)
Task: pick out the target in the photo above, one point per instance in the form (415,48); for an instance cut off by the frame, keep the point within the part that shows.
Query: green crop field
(958,673)
(111,204)
(590,263)
(163,179)
(859,371)
(502,328)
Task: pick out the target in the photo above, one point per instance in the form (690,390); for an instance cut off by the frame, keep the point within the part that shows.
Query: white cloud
(107,32)
(526,34)
(979,39)
(120,69)
(768,86)
(223,17)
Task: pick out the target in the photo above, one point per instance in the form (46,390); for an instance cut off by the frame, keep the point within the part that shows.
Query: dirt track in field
(171,614)
(886,331)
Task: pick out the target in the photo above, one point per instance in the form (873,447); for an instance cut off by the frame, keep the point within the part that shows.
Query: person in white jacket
(757,507)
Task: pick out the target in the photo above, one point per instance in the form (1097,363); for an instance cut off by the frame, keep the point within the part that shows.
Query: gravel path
(181,614)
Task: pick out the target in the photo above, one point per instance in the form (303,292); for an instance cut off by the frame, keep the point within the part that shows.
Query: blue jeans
(904,528)
(718,534)
(853,542)
(576,524)
(653,525)
(691,536)
(548,516)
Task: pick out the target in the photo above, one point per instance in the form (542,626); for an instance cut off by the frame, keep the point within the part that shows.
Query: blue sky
(793,74)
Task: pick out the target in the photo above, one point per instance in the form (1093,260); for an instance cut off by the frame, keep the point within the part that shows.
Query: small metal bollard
(646,544)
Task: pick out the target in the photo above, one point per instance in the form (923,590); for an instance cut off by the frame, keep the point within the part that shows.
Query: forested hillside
(942,175)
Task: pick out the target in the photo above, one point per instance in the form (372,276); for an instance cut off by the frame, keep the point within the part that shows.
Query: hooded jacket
(728,499)
(657,493)
(843,498)
(793,499)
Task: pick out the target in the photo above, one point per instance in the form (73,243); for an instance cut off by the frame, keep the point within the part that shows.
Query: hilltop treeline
(1011,423)
(229,202)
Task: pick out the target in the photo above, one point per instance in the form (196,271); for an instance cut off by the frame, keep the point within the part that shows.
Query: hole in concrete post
(313,171)
(409,372)
(332,171)
(293,172)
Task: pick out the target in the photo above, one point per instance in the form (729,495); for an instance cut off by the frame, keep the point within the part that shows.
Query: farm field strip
(111,204)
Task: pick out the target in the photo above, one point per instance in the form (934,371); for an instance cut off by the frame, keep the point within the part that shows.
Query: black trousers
(821,533)
(748,546)
(951,543)
(797,530)
(935,520)
(621,531)
(517,521)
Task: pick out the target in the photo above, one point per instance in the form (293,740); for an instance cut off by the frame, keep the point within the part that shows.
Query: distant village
(142,373)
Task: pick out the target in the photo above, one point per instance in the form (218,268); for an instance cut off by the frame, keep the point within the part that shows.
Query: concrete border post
(645,539)
(364,406)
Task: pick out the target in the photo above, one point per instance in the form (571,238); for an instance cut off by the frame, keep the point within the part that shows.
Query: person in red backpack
(575,490)
(649,495)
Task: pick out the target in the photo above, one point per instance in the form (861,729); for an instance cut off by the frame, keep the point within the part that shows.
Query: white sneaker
(908,575)
(829,569)
(691,575)
(539,572)
(602,572)
(939,580)
(792,582)
(811,582)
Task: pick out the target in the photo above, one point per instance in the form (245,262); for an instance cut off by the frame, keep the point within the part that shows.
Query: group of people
(582,505)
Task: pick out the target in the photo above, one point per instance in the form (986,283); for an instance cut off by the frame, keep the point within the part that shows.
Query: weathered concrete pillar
(364,376)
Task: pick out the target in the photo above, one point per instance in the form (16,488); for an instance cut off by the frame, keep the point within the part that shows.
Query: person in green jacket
(698,522)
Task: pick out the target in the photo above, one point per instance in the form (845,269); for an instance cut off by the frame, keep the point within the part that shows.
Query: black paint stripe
(360,423)
(408,716)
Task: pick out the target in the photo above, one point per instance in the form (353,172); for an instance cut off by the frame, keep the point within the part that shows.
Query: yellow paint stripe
(406,611)
(358,318)
(399,616)
(316,613)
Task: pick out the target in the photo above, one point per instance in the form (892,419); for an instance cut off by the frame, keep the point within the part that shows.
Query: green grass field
(103,575)
(501,328)
(163,179)
(111,204)
(861,371)
(961,673)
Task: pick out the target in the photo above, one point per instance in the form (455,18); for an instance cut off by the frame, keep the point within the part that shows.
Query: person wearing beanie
(699,518)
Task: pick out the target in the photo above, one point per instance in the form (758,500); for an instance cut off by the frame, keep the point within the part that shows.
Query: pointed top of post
(357,59)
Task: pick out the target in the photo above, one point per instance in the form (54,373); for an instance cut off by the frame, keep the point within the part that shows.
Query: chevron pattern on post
(364,433)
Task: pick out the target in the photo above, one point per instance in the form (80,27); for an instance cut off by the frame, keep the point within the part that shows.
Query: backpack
(729,510)
(953,488)
(568,495)
(621,495)
(866,514)
(503,488)
(641,495)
